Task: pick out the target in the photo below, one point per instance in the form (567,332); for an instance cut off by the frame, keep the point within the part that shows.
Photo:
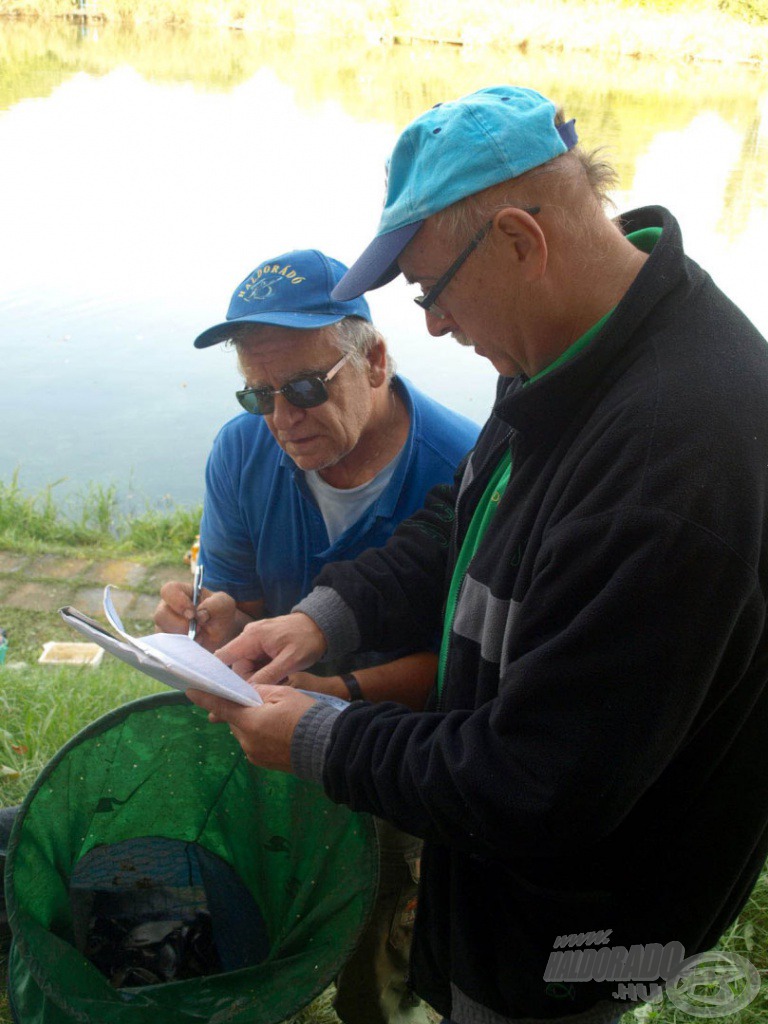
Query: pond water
(143,173)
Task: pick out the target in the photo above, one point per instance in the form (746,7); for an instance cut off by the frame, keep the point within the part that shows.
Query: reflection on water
(144,173)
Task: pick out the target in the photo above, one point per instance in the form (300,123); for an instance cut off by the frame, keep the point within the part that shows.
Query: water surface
(143,173)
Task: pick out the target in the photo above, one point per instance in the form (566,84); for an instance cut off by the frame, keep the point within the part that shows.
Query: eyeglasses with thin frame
(428,302)
(303,392)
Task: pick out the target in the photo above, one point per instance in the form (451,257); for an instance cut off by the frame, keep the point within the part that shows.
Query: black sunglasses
(427,302)
(303,392)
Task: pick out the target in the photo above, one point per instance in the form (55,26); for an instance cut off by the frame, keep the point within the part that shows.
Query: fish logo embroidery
(261,291)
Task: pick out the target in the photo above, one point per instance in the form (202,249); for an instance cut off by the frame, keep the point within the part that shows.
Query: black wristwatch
(351,683)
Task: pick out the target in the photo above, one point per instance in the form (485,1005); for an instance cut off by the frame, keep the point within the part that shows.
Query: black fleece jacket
(598,758)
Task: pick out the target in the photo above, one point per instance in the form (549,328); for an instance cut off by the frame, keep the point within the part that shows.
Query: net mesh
(304,869)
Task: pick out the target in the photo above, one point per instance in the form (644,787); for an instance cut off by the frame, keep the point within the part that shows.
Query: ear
(377,364)
(525,242)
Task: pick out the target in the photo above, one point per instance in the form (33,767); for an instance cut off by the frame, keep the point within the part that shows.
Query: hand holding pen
(215,613)
(197,586)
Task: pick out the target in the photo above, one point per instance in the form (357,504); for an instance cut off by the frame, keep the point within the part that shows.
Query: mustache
(462,339)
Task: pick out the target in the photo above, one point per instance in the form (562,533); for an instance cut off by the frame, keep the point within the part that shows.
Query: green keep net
(154,812)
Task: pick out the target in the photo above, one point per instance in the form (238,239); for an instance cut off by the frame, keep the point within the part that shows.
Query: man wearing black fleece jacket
(592,772)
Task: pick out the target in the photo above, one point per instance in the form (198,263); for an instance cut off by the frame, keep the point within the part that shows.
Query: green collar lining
(644,239)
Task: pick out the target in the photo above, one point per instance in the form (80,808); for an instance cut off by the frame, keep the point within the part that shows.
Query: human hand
(264,732)
(287,643)
(332,685)
(216,614)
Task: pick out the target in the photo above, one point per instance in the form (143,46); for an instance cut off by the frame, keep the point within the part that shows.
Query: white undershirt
(341,507)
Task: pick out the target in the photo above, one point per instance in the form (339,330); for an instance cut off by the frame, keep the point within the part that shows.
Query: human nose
(285,414)
(439,324)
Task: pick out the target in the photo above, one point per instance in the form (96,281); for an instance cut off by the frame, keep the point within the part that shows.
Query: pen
(196,587)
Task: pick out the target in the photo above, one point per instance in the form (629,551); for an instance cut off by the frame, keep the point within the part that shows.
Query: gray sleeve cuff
(310,741)
(334,617)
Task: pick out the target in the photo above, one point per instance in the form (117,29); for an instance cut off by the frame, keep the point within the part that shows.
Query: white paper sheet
(171,658)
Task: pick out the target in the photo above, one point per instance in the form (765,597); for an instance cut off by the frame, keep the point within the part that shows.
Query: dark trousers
(372,988)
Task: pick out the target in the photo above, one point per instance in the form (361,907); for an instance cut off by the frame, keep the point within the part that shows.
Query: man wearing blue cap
(590,775)
(336,451)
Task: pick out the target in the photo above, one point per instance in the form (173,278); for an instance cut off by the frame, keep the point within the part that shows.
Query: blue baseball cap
(292,290)
(450,152)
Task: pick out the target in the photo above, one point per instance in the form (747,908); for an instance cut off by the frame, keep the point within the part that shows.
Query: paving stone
(42,597)
(163,573)
(11,562)
(144,606)
(119,572)
(5,590)
(90,601)
(57,568)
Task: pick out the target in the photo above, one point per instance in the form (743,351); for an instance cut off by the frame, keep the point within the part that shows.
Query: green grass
(91,520)
(400,13)
(43,706)
(677,29)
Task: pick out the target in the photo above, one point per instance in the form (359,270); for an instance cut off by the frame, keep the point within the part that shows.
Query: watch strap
(351,683)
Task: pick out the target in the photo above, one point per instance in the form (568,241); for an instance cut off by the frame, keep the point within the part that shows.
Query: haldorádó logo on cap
(263,281)
(292,290)
(453,151)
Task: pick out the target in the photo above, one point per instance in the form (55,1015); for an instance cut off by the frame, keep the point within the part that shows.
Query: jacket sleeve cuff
(334,617)
(311,739)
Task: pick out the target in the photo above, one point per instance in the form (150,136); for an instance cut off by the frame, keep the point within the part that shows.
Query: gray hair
(352,335)
(554,183)
(357,337)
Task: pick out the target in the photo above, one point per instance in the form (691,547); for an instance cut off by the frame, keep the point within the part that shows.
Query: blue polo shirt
(262,535)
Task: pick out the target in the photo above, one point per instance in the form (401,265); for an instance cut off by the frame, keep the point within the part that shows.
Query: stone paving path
(46,582)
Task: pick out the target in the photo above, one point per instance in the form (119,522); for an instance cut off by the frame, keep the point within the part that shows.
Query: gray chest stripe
(486,619)
(467,477)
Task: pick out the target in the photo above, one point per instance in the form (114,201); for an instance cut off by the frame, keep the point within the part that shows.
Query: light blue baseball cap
(292,290)
(450,152)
